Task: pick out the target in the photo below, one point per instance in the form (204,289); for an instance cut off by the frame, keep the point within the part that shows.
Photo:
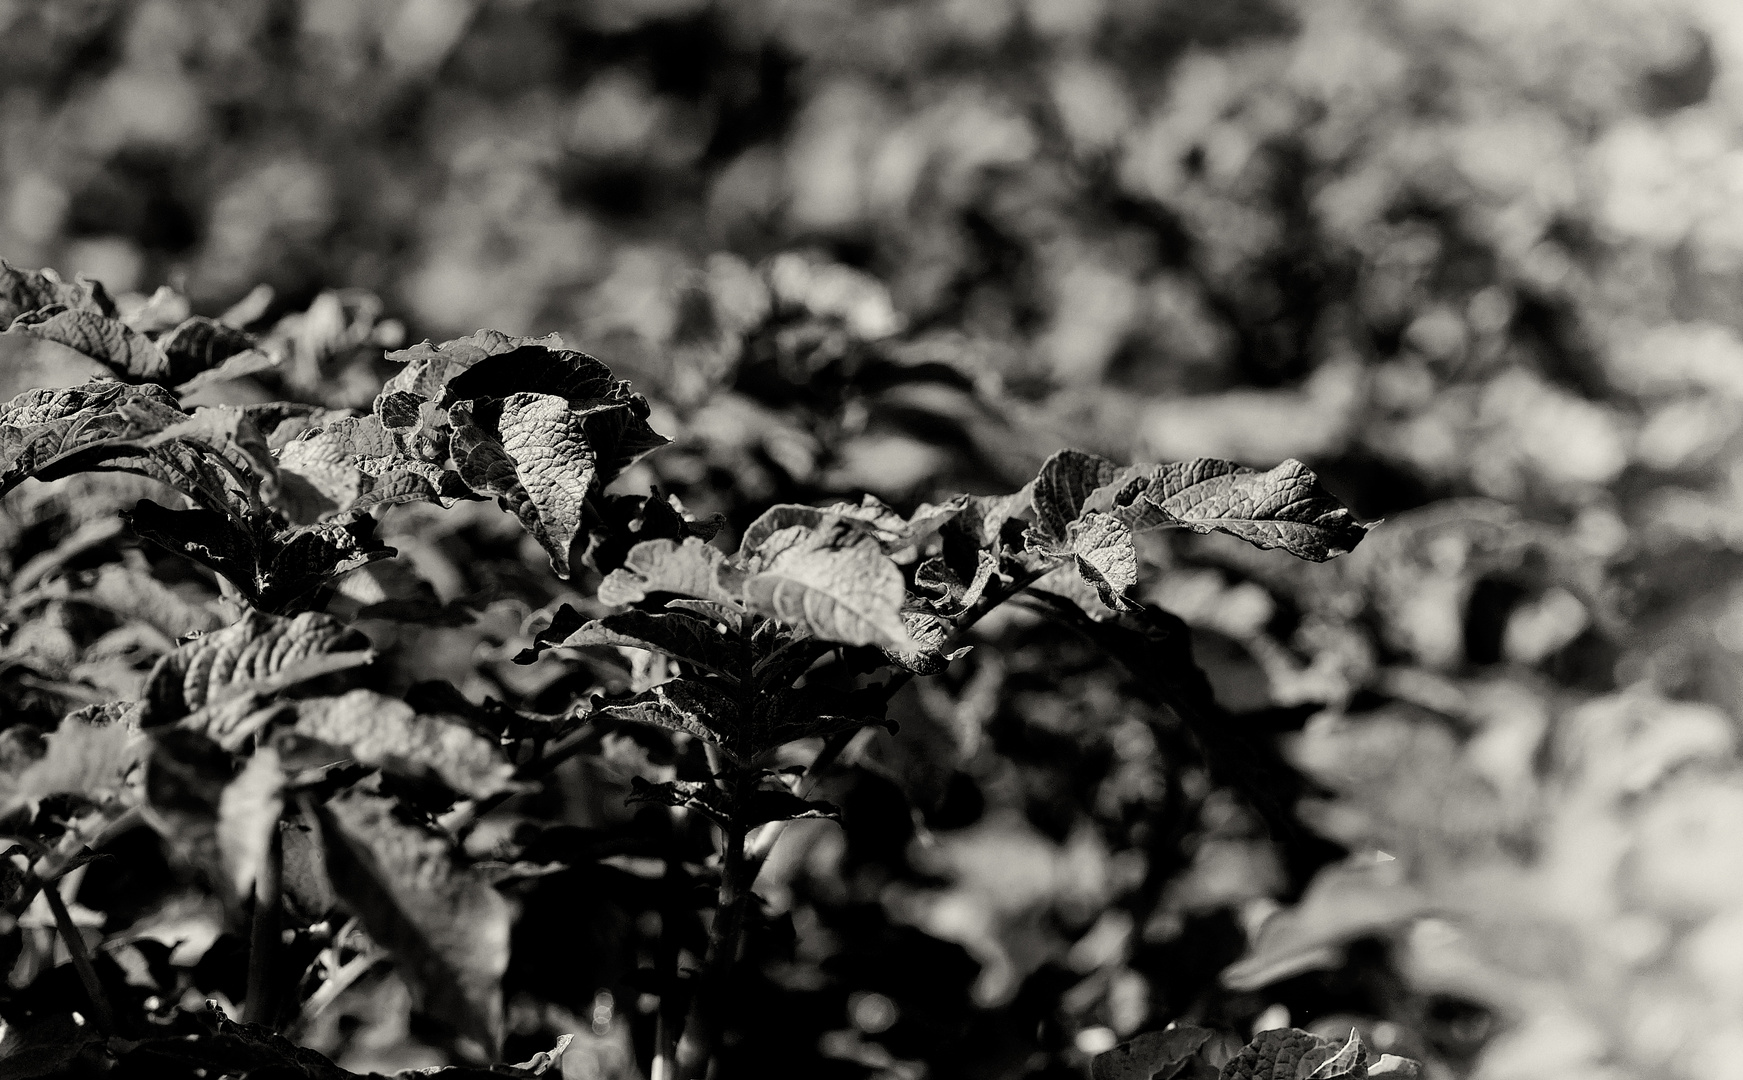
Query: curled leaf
(687,568)
(833,582)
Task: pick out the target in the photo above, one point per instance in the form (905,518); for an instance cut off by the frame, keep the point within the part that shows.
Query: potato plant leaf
(680,636)
(1170,1054)
(90,760)
(259,652)
(1065,481)
(200,344)
(445,926)
(23,291)
(532,452)
(248,813)
(385,732)
(928,635)
(688,568)
(1285,507)
(107,340)
(954,595)
(271,567)
(41,428)
(833,582)
(1281,1054)
(694,706)
(702,796)
(1350,1060)
(1102,547)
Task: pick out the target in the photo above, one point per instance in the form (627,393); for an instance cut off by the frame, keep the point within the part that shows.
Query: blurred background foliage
(1477,262)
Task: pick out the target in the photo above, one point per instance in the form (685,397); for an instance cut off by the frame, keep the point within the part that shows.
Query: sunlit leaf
(833,582)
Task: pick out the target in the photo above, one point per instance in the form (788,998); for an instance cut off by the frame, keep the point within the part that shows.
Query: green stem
(263,944)
(75,940)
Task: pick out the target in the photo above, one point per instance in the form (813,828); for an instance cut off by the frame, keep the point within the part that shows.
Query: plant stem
(702,1028)
(263,943)
(105,1016)
(670,1017)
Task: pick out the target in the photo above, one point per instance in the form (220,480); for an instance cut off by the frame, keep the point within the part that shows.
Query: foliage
(1474,262)
(271,721)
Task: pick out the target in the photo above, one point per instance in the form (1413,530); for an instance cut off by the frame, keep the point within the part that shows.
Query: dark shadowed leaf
(1167,1054)
(536,369)
(448,929)
(687,568)
(694,706)
(385,732)
(702,796)
(764,805)
(429,367)
(200,344)
(833,582)
(680,636)
(259,653)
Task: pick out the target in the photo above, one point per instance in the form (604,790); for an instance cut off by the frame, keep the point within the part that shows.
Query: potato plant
(324,810)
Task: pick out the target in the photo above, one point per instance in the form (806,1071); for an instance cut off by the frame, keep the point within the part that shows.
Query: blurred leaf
(199,345)
(1157,1055)
(259,653)
(23,291)
(381,731)
(248,813)
(446,928)
(90,760)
